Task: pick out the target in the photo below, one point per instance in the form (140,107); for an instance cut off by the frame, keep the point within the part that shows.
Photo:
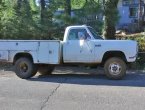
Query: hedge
(139,37)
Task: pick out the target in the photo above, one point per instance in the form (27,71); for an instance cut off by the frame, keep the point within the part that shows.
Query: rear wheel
(46,69)
(24,68)
(115,68)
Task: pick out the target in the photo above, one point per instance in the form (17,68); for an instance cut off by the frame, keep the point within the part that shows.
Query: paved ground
(71,88)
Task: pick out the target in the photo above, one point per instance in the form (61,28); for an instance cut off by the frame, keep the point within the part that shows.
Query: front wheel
(24,68)
(115,68)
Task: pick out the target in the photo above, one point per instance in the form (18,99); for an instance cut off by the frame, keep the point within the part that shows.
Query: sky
(38,1)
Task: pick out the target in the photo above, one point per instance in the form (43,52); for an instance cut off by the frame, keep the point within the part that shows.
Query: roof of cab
(77,26)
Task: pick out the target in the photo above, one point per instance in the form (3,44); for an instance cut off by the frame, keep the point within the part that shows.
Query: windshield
(94,33)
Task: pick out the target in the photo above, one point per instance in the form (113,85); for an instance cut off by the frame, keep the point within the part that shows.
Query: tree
(42,11)
(6,19)
(1,13)
(89,14)
(141,15)
(17,21)
(67,7)
(111,18)
(23,19)
(144,10)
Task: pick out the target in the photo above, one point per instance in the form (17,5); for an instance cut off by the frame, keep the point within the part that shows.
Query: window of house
(125,2)
(133,11)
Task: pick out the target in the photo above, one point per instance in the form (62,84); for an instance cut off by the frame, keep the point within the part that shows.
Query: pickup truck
(81,45)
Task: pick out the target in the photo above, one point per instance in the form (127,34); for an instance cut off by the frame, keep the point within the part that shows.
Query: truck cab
(78,45)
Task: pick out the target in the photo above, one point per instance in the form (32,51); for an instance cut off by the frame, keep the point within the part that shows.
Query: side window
(72,35)
(77,34)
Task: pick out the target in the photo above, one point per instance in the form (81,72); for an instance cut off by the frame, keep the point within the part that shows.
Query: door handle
(98,45)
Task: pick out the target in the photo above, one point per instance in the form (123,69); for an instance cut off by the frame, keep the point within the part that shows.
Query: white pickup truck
(81,45)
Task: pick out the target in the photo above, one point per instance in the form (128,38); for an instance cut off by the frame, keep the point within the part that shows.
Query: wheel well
(20,55)
(110,54)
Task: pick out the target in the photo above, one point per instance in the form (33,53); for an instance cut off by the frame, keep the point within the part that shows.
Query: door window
(77,34)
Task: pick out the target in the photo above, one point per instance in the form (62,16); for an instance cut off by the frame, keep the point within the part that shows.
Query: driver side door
(78,49)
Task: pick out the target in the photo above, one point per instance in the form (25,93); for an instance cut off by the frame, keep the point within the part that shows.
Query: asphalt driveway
(72,88)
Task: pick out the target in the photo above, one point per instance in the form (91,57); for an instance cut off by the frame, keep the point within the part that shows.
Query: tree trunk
(143,12)
(42,10)
(68,7)
(19,4)
(26,5)
(111,17)
(140,16)
(1,6)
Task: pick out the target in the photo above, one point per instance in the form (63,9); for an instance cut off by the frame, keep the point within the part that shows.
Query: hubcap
(115,68)
(23,67)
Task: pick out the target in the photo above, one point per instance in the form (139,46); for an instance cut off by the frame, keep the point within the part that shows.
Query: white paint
(4,55)
(82,51)
(74,52)
(40,50)
(93,50)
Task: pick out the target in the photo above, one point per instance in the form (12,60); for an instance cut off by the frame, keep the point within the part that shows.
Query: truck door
(77,48)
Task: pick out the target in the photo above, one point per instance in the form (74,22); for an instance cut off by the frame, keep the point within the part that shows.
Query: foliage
(81,14)
(21,19)
(23,22)
(88,15)
(17,23)
(111,18)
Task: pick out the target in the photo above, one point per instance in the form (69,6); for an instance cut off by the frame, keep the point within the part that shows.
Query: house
(130,11)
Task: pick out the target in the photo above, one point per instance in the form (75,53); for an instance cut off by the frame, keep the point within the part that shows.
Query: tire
(46,70)
(24,68)
(115,68)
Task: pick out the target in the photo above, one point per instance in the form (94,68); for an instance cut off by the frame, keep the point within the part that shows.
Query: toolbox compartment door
(3,55)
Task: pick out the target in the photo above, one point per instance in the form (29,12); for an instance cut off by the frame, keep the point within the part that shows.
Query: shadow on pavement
(132,79)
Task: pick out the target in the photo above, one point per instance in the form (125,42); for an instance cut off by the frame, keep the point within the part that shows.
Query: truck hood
(116,43)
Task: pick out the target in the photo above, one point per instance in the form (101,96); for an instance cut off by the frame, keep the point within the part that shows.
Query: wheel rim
(23,67)
(115,68)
